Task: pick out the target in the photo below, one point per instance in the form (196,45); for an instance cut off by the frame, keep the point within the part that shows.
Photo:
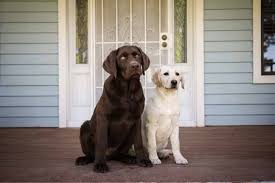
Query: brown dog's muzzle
(135,68)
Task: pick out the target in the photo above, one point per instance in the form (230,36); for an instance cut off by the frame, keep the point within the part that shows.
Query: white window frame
(257,47)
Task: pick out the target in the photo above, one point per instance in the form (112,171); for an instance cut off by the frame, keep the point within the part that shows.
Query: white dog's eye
(166,74)
(177,74)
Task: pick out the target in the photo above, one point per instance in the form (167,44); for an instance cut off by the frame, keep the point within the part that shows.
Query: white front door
(159,27)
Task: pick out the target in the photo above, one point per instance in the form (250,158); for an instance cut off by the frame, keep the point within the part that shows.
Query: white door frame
(62,61)
(198,59)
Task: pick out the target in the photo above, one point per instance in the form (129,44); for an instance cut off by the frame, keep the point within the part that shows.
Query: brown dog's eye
(135,55)
(177,74)
(166,74)
(123,58)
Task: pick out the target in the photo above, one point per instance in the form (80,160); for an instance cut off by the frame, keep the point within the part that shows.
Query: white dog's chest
(165,128)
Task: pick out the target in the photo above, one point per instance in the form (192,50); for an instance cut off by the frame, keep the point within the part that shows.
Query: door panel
(143,23)
(148,24)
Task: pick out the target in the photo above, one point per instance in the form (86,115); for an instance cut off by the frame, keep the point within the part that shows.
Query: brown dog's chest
(129,108)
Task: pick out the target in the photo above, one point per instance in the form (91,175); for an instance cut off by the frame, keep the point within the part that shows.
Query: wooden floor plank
(243,153)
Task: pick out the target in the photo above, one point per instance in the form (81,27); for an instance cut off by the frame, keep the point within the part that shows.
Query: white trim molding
(199,61)
(63,62)
(257,50)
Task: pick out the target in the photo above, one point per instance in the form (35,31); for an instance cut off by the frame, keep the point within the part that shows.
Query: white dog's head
(167,77)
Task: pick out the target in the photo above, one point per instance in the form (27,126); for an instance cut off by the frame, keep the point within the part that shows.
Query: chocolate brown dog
(116,122)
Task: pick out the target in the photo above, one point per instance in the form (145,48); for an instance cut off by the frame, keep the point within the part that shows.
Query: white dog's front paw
(181,160)
(155,161)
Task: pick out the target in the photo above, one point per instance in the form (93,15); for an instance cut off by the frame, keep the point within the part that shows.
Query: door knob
(164,44)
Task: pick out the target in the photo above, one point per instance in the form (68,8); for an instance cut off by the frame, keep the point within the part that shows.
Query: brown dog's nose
(135,66)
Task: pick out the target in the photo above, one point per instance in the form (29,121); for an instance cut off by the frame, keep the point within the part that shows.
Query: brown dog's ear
(155,78)
(110,65)
(145,60)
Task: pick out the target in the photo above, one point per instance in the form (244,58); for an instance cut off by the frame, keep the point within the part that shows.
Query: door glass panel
(126,22)
(152,20)
(98,65)
(138,20)
(123,20)
(164,17)
(180,31)
(98,20)
(81,31)
(107,50)
(164,57)
(153,53)
(109,20)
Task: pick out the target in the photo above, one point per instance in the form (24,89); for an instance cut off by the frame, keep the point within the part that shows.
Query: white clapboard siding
(28,63)
(231,98)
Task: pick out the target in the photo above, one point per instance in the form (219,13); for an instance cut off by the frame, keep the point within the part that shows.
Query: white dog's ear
(182,81)
(155,77)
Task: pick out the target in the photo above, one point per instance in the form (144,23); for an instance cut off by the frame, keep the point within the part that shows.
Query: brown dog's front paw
(145,163)
(83,160)
(101,168)
(128,159)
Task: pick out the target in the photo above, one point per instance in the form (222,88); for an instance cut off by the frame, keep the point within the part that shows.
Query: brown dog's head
(127,62)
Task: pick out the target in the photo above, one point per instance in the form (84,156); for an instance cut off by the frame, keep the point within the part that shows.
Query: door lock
(164,37)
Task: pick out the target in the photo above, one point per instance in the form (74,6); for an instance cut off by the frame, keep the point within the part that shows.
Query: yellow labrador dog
(161,117)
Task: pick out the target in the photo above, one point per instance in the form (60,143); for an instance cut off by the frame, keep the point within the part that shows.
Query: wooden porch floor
(214,154)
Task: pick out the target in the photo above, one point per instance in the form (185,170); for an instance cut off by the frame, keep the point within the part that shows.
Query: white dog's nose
(174,82)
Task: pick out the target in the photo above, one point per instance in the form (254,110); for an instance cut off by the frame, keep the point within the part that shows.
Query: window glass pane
(268,37)
(81,31)
(180,30)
